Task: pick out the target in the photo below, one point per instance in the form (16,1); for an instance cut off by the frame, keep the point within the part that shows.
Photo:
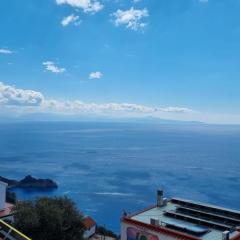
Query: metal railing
(7,232)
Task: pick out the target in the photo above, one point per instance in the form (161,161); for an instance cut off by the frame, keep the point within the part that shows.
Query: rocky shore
(30,182)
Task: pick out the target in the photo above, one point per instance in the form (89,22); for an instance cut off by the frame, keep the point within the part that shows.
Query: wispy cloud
(33,101)
(132,18)
(108,108)
(5,51)
(91,6)
(95,75)
(50,66)
(74,19)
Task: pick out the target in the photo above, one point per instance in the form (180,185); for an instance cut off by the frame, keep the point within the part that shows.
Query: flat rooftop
(7,211)
(202,221)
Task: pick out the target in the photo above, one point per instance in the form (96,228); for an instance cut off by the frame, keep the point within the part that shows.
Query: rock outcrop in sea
(30,182)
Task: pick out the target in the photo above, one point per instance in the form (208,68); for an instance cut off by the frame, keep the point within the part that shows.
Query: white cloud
(95,75)
(29,101)
(5,51)
(175,109)
(108,108)
(91,6)
(132,18)
(12,96)
(16,102)
(50,66)
(71,19)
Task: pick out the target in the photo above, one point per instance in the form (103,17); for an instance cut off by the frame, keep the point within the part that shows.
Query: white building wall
(90,232)
(3,188)
(133,232)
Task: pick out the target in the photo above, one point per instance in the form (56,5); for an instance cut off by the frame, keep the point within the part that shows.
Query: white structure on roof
(3,189)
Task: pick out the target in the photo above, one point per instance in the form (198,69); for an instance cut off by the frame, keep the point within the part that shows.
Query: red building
(89,227)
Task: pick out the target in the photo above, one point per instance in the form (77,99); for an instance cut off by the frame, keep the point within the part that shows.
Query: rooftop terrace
(190,218)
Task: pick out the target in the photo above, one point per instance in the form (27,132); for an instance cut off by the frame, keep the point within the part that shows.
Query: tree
(49,219)
(11,197)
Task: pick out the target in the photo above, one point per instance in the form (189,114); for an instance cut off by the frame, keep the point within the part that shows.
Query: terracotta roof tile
(88,222)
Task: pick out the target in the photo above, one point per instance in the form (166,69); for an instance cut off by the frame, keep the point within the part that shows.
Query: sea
(108,168)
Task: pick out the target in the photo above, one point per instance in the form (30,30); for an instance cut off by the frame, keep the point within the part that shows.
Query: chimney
(226,235)
(160,201)
(3,189)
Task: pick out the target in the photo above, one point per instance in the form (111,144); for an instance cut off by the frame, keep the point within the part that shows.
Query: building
(177,218)
(7,232)
(89,227)
(5,208)
(3,188)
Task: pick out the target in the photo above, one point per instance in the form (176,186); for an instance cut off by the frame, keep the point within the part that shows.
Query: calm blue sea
(108,167)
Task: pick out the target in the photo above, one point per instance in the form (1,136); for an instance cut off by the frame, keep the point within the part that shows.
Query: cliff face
(30,182)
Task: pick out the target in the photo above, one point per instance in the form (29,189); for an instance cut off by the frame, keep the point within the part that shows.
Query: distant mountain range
(45,117)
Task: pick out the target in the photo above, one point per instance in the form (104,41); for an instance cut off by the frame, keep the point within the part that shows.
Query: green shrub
(49,219)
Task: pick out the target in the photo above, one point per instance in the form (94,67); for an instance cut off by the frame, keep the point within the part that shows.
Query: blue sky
(172,59)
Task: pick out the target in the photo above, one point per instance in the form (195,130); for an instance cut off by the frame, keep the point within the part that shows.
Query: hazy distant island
(30,182)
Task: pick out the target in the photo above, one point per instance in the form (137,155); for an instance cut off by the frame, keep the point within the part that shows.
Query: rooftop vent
(225,235)
(160,200)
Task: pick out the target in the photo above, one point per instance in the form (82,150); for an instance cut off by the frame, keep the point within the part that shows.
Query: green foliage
(11,197)
(49,219)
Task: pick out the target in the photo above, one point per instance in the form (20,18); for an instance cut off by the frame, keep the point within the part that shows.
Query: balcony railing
(7,232)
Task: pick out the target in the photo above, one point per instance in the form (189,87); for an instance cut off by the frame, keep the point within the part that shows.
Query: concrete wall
(3,187)
(133,232)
